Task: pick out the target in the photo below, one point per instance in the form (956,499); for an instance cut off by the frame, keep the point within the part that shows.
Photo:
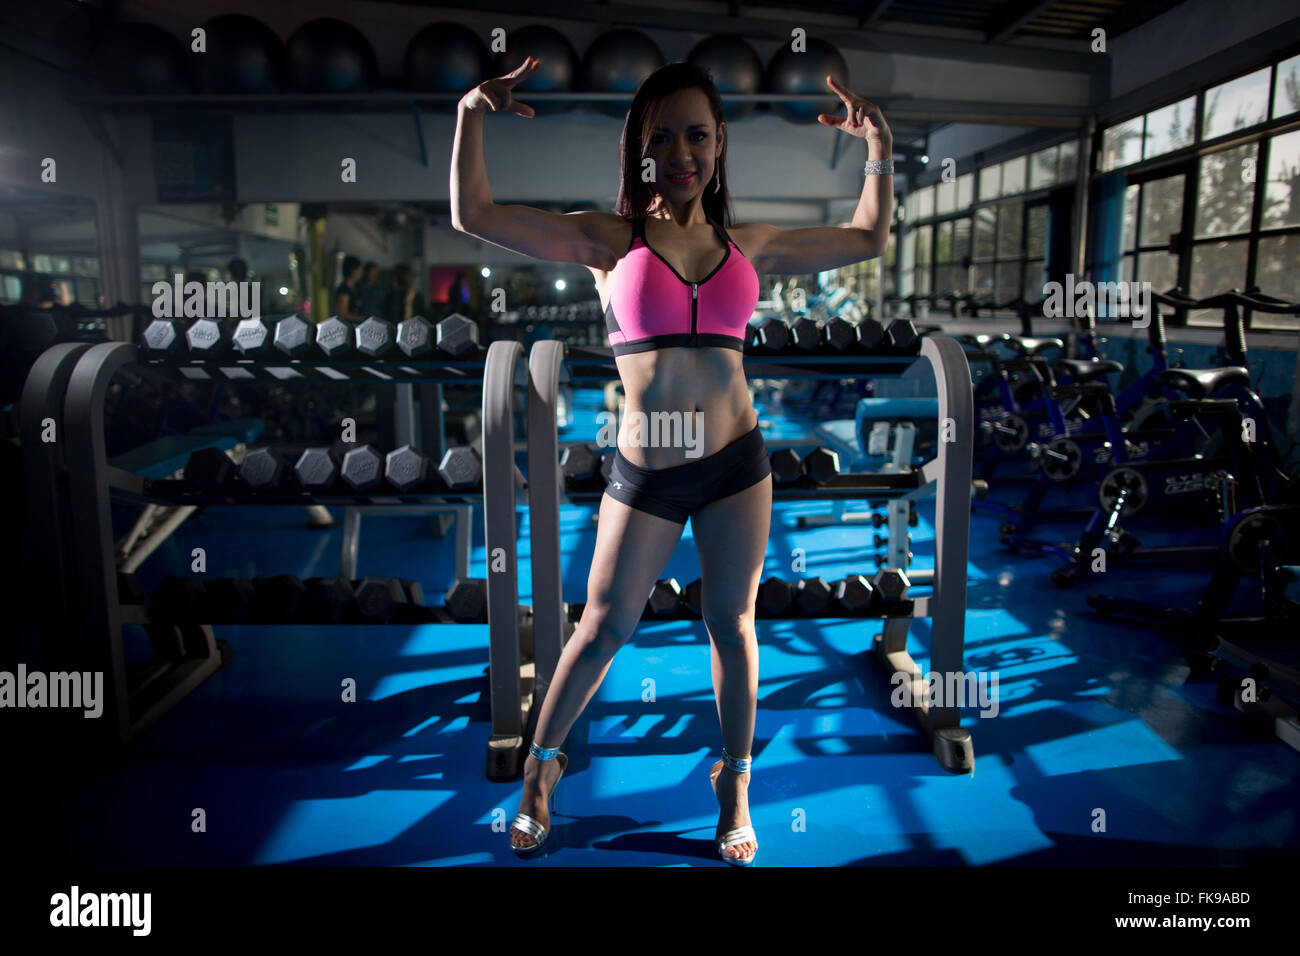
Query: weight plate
(1061,459)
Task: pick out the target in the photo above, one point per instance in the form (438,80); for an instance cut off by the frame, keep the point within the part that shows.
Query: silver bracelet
(879,167)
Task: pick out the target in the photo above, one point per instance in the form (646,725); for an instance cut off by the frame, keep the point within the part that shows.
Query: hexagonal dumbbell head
(806,333)
(460,468)
(871,334)
(774,596)
(771,334)
(406,468)
(890,586)
(903,337)
(292,336)
(375,600)
(209,470)
(204,337)
(457,335)
(665,599)
(333,337)
(579,462)
(229,600)
(854,594)
(264,470)
(821,465)
(467,600)
(693,597)
(840,334)
(375,337)
(276,600)
(317,468)
(362,468)
(251,337)
(160,336)
(415,337)
(786,466)
(606,465)
(813,595)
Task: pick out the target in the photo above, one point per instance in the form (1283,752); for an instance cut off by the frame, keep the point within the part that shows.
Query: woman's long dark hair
(635,196)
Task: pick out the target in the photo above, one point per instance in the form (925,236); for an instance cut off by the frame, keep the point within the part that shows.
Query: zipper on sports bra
(695,297)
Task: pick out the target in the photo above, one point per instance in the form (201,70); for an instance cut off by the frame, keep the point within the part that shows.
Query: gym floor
(1097,720)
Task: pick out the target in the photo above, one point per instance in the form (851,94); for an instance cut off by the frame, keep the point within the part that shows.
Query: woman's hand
(864,119)
(494,95)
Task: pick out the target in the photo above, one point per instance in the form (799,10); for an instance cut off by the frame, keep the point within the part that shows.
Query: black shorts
(678,492)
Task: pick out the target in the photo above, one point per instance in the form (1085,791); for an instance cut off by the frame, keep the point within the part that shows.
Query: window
(1013,176)
(1042,168)
(1286,87)
(1170,128)
(1225,196)
(1235,105)
(924,203)
(921,283)
(1122,144)
(945,198)
(1153,210)
(990,182)
(964,195)
(1282,185)
(1069,168)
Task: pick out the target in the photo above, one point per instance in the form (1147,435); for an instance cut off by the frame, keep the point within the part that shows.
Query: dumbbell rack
(71,484)
(947,477)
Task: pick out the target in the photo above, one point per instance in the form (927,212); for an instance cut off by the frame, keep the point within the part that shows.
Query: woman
(678,290)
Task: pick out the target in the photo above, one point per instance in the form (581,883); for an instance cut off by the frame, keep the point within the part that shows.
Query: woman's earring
(717,180)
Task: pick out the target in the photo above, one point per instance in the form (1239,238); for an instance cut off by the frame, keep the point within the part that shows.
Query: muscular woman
(678,282)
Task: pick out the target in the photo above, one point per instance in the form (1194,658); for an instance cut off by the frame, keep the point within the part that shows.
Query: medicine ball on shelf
(618,62)
(242,55)
(446,57)
(558,72)
(142,58)
(330,56)
(734,67)
(791,72)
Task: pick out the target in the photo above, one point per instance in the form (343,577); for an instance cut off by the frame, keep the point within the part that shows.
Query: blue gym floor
(1094,716)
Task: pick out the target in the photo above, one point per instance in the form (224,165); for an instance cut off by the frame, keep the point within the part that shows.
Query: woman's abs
(682,405)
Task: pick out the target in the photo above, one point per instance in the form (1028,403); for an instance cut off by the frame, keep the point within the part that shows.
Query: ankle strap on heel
(736,764)
(543,753)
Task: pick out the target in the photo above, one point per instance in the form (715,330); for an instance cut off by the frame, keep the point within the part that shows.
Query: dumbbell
(211,471)
(277,600)
(251,339)
(579,462)
(415,337)
(466,600)
(665,599)
(265,469)
(374,601)
(902,337)
(457,335)
(870,334)
(774,597)
(692,597)
(229,600)
(840,334)
(334,337)
(292,336)
(813,596)
(806,333)
(460,468)
(161,337)
(324,601)
(606,463)
(406,469)
(179,599)
(770,334)
(882,559)
(821,465)
(855,594)
(889,588)
(317,469)
(362,468)
(374,337)
(205,339)
(786,466)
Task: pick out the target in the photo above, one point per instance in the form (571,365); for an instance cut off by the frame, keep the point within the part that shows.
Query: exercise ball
(330,56)
(446,58)
(734,67)
(618,62)
(243,55)
(791,72)
(142,58)
(558,71)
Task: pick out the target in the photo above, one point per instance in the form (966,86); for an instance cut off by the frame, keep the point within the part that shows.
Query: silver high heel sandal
(526,824)
(743,834)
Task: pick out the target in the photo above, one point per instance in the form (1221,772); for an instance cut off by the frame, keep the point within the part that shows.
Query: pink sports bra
(652,307)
